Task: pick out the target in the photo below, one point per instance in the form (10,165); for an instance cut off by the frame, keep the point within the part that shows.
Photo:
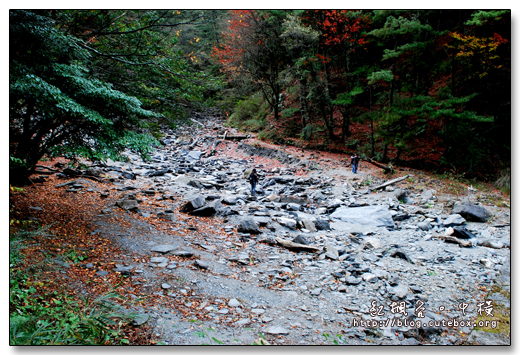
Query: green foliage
(504,181)
(36,318)
(385,75)
(57,106)
(250,114)
(60,320)
(289,112)
(480,17)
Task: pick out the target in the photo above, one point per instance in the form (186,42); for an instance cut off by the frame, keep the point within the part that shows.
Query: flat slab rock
(277,330)
(377,215)
(164,248)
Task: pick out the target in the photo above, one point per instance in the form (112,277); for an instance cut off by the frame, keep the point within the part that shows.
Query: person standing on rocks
(253,180)
(355,161)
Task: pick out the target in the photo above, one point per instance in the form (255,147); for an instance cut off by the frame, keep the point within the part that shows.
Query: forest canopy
(429,89)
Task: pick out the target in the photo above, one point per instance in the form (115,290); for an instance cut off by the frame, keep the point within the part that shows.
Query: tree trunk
(303,102)
(372,143)
(345,130)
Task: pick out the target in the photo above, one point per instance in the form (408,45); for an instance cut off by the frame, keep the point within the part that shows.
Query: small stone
(166,286)
(453,220)
(243,321)
(201,264)
(316,292)
(277,330)
(233,302)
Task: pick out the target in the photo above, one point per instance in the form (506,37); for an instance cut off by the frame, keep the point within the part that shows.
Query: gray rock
(351,280)
(293,207)
(159,259)
(229,200)
(309,225)
(400,290)
(316,292)
(402,255)
(322,224)
(128,204)
(287,222)
(378,215)
(472,212)
(124,270)
(424,225)
(410,341)
(453,220)
(201,264)
(140,319)
(331,251)
(480,337)
(242,321)
(300,239)
(273,198)
(233,302)
(166,286)
(194,155)
(495,244)
(183,253)
(193,203)
(277,330)
(167,216)
(487,263)
(94,171)
(165,248)
(249,225)
(371,243)
(208,210)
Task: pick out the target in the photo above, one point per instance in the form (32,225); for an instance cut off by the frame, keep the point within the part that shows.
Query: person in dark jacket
(253,180)
(355,161)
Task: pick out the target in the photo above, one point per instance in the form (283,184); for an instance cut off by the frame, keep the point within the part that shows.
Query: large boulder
(208,210)
(249,225)
(193,203)
(471,212)
(377,215)
(128,204)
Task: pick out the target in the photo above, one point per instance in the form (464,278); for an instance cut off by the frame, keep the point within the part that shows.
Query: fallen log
(391,182)
(231,138)
(387,169)
(194,120)
(193,144)
(455,240)
(213,147)
(66,171)
(295,246)
(46,167)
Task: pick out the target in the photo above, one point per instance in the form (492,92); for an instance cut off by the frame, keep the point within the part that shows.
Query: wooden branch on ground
(231,138)
(387,169)
(66,171)
(213,147)
(295,246)
(455,240)
(92,177)
(46,167)
(391,182)
(194,120)
(194,143)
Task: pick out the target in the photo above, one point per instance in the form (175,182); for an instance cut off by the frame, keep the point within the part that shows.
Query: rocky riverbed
(315,253)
